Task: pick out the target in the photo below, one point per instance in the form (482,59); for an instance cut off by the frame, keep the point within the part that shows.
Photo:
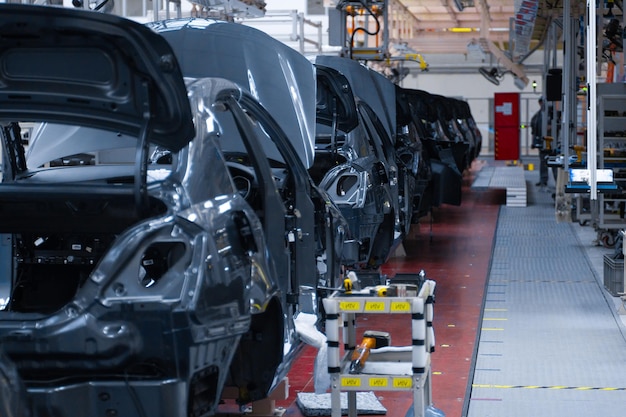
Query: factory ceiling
(500,32)
(450,26)
(447,26)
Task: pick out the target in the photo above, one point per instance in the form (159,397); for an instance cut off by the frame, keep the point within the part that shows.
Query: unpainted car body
(467,125)
(402,151)
(376,105)
(351,165)
(446,184)
(451,136)
(283,81)
(412,156)
(141,284)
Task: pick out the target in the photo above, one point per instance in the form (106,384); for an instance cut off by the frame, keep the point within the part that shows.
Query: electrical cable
(360,28)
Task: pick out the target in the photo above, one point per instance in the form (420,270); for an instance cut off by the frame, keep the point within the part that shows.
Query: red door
(506,126)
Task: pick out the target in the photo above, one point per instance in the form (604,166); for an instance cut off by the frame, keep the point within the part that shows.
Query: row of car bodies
(170,218)
(174,258)
(450,141)
(386,154)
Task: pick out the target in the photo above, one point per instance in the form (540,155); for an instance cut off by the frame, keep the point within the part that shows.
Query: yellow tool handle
(362,351)
(347,285)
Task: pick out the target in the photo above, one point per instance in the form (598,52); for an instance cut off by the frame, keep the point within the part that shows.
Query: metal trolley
(416,375)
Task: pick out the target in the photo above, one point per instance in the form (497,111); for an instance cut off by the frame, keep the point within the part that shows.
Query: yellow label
(400,306)
(350,305)
(402,383)
(378,382)
(375,306)
(350,382)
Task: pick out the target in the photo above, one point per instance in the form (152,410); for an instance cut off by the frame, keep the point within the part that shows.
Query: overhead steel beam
(448,42)
(450,11)
(590,61)
(506,62)
(569,86)
(485,17)
(440,22)
(503,59)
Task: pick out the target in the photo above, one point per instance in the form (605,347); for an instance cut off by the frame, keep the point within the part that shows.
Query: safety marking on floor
(492,329)
(559,281)
(496,309)
(494,319)
(486,399)
(551,387)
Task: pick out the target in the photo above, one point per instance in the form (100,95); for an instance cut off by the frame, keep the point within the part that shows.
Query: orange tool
(372,339)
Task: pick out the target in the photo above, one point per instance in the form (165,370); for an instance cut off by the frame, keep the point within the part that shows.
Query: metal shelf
(611,100)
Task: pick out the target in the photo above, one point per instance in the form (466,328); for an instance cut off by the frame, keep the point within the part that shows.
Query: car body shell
(413,158)
(310,237)
(450,134)
(446,182)
(144,283)
(352,165)
(283,82)
(467,125)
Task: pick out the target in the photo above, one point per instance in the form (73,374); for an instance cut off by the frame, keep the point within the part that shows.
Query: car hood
(280,78)
(369,86)
(97,70)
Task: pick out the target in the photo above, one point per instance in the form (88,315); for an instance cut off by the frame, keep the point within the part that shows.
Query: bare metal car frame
(145,284)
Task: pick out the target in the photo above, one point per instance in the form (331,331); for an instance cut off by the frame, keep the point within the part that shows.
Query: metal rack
(414,360)
(612,152)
